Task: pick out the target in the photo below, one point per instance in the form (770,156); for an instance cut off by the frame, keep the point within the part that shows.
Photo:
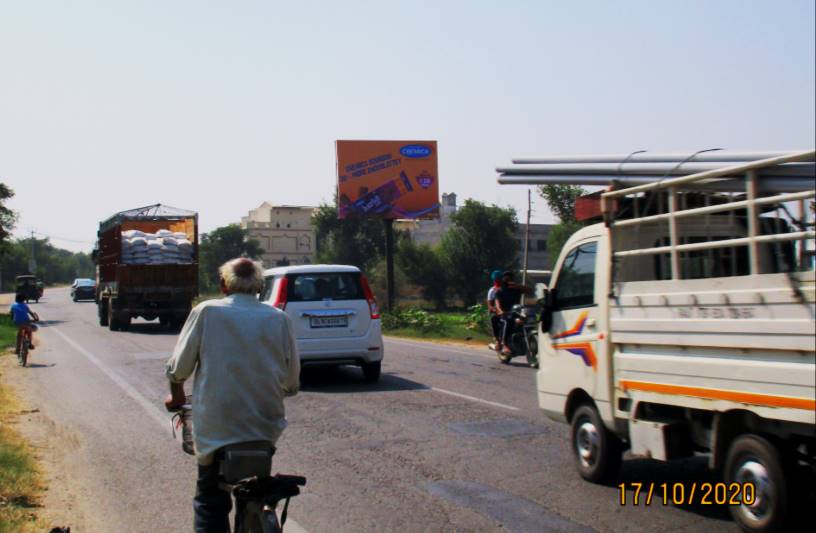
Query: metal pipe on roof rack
(649,169)
(727,171)
(768,184)
(719,156)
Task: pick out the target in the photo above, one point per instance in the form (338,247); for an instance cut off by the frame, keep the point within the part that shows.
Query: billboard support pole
(389,262)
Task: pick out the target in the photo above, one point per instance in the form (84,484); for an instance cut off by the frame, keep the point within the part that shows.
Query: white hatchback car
(334,314)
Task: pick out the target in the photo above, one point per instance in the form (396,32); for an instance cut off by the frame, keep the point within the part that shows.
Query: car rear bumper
(342,351)
(85,295)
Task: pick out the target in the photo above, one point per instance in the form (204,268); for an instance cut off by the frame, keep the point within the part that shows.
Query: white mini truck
(684,324)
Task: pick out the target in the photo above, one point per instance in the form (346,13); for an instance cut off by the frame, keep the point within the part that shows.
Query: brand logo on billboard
(425,180)
(415,150)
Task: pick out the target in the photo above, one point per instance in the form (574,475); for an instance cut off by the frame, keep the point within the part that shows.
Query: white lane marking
(152,410)
(475,399)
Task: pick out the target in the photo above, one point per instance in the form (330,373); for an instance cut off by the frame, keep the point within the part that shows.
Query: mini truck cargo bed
(140,269)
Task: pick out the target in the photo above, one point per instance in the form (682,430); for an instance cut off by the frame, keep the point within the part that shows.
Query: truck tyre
(753,459)
(371,371)
(597,450)
(102,310)
(113,318)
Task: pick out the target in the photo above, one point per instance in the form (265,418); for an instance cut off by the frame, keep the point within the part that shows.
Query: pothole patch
(512,512)
(497,428)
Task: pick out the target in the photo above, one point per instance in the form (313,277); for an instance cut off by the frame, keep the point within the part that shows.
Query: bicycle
(24,343)
(244,471)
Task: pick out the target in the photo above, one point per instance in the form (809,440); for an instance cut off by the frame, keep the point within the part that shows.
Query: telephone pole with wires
(32,263)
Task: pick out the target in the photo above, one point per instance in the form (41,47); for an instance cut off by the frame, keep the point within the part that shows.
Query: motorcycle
(524,337)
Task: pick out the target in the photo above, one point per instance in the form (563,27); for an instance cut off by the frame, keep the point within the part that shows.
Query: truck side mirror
(541,292)
(544,297)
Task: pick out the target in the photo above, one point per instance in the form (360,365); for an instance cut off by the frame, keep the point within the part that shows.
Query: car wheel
(597,450)
(754,460)
(371,371)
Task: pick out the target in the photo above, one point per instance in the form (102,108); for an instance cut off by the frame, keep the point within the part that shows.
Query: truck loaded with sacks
(147,266)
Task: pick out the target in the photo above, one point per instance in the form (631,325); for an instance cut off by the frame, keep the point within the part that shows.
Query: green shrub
(478,320)
(412,318)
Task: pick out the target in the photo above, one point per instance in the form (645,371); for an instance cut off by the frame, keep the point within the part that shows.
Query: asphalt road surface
(448,440)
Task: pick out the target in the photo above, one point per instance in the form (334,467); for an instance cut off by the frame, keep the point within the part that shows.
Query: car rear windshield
(316,287)
(86,283)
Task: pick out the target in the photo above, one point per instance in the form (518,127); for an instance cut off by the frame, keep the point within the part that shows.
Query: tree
(351,241)
(561,201)
(219,246)
(7,216)
(483,238)
(54,265)
(424,267)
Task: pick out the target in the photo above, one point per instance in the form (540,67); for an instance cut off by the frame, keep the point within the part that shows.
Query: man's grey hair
(242,275)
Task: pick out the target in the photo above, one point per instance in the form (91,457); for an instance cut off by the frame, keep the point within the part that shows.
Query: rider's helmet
(495,275)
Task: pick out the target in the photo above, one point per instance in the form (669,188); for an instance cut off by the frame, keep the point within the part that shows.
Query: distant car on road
(334,314)
(83,289)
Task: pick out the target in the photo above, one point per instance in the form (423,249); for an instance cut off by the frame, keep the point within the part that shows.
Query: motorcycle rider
(495,320)
(508,295)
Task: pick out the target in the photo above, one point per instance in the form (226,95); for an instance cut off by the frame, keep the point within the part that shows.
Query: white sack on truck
(161,248)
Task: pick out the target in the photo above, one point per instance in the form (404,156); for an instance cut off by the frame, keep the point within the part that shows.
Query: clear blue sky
(218,106)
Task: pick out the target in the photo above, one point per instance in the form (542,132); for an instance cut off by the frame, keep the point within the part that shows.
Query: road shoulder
(63,502)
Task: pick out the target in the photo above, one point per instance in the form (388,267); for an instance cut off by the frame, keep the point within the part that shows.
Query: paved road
(449,440)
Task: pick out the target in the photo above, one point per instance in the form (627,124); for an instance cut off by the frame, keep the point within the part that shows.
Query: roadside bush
(478,320)
(412,318)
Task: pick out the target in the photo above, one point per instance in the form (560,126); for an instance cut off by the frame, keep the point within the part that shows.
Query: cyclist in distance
(22,317)
(245,361)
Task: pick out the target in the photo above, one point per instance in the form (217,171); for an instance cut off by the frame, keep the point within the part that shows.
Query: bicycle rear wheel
(257,520)
(23,358)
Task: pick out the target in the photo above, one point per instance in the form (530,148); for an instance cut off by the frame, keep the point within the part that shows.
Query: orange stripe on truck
(768,400)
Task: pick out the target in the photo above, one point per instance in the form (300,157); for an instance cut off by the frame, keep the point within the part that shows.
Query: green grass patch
(8,333)
(20,482)
(448,325)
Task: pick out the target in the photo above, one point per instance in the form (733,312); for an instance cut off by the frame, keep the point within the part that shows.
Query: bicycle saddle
(246,460)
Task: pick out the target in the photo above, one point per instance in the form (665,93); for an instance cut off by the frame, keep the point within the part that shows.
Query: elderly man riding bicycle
(245,361)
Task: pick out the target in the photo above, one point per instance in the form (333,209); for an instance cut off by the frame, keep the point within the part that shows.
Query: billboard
(387,179)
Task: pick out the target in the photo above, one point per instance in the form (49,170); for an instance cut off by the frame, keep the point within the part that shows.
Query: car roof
(310,269)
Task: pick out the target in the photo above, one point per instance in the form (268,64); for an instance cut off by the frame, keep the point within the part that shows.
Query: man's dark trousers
(211,504)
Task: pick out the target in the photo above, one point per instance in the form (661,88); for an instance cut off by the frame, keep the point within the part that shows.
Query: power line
(56,238)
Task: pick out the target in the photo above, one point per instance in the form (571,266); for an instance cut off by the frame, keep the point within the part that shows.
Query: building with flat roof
(431,232)
(285,233)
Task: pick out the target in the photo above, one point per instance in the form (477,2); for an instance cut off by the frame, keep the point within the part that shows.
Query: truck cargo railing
(751,205)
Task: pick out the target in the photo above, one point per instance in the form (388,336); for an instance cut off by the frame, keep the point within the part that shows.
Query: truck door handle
(590,323)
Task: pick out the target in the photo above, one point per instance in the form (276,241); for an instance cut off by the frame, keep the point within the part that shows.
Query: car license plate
(329,321)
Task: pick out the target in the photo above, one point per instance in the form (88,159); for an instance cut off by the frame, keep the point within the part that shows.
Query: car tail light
(280,297)
(369,296)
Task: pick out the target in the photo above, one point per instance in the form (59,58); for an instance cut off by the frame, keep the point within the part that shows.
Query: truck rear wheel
(102,310)
(597,450)
(117,320)
(754,460)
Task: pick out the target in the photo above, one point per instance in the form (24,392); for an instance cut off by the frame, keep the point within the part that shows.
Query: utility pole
(32,263)
(526,242)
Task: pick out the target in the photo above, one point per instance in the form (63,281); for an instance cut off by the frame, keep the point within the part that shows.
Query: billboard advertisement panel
(387,179)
